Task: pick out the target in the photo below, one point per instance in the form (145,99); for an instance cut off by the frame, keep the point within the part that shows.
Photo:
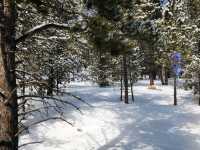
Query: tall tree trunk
(125,78)
(121,81)
(131,80)
(73,75)
(23,91)
(8,87)
(50,81)
(162,75)
(121,87)
(166,76)
(131,84)
(151,78)
(199,87)
(162,79)
(102,76)
(57,83)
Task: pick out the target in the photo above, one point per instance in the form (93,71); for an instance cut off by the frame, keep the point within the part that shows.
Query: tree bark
(8,87)
(125,78)
(162,75)
(121,86)
(199,87)
(131,80)
(162,79)
(151,78)
(23,91)
(131,84)
(102,76)
(51,81)
(198,53)
(166,76)
(57,82)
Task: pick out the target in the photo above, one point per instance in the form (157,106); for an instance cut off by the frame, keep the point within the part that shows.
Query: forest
(99,74)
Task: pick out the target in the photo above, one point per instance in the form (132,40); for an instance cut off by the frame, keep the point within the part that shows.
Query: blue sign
(177,69)
(176,57)
(176,60)
(164,2)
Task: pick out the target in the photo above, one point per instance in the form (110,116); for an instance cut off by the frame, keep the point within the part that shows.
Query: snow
(151,123)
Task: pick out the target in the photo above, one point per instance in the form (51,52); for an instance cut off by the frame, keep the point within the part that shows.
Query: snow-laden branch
(40,28)
(53,38)
(45,26)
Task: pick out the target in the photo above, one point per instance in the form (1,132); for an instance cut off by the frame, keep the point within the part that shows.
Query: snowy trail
(151,123)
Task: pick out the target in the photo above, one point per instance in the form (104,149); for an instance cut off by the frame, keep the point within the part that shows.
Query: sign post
(175,93)
(176,59)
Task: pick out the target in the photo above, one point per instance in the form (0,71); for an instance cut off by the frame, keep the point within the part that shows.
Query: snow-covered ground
(151,123)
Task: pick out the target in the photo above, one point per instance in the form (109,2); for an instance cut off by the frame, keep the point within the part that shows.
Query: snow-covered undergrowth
(151,123)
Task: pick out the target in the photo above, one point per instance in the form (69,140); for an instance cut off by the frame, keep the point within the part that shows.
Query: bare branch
(34,75)
(31,83)
(30,143)
(37,100)
(41,121)
(51,98)
(38,110)
(2,95)
(76,97)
